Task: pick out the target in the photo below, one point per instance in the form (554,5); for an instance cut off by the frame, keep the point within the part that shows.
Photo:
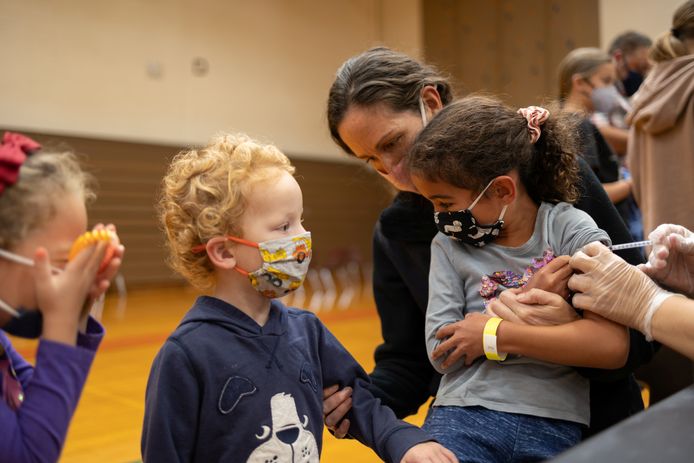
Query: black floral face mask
(462,226)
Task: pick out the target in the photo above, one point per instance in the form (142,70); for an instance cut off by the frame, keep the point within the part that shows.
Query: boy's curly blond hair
(204,195)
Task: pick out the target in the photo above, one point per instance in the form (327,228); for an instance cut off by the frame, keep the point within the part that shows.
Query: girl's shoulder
(568,229)
(566,212)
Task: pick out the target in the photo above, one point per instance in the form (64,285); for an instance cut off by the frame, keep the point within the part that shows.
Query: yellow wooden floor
(106,426)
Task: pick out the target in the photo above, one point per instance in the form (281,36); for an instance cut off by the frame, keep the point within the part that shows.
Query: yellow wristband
(489,340)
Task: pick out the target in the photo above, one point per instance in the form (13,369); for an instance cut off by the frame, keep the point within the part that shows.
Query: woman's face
(604,76)
(381,137)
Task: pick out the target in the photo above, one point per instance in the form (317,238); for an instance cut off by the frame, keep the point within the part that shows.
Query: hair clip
(14,150)
(92,237)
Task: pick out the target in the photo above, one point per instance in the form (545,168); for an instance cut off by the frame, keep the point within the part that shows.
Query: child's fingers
(42,268)
(115,239)
(445,331)
(558,263)
(98,288)
(564,272)
(111,269)
(456,354)
(86,264)
(442,349)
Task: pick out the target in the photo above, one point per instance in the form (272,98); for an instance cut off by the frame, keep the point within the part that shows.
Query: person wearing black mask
(629,52)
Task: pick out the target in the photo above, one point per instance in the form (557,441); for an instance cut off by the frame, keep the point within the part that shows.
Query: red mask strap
(241,271)
(242,241)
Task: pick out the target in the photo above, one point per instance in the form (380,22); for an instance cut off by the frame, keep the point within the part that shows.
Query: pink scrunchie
(536,116)
(13,152)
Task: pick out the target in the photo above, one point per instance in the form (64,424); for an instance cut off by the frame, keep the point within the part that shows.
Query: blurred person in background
(661,138)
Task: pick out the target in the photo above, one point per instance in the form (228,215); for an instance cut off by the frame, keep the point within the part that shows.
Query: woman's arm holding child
(589,342)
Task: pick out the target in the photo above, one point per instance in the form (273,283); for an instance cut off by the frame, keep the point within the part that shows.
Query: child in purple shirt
(42,212)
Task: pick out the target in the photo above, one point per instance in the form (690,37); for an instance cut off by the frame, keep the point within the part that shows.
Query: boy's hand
(553,277)
(336,404)
(429,452)
(462,338)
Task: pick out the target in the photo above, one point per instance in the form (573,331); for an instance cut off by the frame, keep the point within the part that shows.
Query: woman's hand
(462,338)
(671,261)
(534,307)
(553,277)
(336,404)
(61,296)
(429,452)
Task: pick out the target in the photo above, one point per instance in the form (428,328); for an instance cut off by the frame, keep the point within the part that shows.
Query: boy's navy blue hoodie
(223,388)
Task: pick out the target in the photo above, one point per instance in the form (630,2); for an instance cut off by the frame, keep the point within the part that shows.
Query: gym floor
(107,424)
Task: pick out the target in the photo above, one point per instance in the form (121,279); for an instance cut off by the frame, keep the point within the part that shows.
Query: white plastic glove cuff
(653,307)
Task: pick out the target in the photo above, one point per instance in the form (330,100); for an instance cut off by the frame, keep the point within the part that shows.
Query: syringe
(635,244)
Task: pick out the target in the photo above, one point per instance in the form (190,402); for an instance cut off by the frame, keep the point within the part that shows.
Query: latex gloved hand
(611,287)
(671,261)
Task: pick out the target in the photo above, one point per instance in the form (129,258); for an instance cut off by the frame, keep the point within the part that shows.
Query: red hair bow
(13,152)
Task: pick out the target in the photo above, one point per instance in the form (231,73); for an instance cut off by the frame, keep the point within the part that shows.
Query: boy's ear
(220,253)
(505,189)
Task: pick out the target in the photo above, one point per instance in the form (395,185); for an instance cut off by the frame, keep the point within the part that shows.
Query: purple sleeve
(371,423)
(36,431)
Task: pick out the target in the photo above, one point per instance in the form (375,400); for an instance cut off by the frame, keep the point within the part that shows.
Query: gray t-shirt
(463,278)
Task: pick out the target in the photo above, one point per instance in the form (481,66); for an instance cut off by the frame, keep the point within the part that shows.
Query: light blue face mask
(25,323)
(605,99)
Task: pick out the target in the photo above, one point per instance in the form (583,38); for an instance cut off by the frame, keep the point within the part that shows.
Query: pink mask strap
(13,152)
(536,116)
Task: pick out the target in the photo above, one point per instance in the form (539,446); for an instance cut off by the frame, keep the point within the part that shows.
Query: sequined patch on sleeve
(489,289)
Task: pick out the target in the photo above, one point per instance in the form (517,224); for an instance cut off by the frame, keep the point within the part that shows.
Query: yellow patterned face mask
(285,263)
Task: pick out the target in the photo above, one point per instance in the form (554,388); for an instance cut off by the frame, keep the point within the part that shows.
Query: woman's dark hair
(673,43)
(381,75)
(475,139)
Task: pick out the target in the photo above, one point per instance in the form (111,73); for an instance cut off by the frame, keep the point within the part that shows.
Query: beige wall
(79,67)
(650,17)
(510,48)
